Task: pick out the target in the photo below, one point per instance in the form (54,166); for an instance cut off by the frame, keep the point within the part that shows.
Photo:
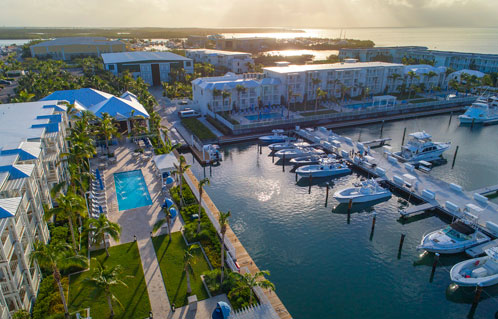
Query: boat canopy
(420,135)
(492,253)
(462,228)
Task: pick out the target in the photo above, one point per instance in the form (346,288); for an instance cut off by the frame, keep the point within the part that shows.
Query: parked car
(188,113)
(5,82)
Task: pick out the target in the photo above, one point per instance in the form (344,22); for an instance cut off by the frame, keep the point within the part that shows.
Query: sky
(249,13)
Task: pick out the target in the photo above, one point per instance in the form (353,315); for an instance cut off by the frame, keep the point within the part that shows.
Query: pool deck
(243,257)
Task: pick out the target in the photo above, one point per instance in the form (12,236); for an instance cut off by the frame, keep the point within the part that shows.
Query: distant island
(126,33)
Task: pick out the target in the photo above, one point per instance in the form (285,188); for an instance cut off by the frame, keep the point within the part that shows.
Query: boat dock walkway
(412,210)
(378,142)
(478,250)
(448,198)
(487,190)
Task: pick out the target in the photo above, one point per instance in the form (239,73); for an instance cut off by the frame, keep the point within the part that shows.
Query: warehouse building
(75,47)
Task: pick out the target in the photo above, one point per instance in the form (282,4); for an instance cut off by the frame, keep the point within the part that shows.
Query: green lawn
(197,128)
(134,298)
(170,257)
(318,112)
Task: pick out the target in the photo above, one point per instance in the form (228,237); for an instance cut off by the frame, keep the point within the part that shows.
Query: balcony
(8,246)
(19,227)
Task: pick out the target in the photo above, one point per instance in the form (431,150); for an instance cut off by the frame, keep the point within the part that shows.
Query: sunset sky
(257,13)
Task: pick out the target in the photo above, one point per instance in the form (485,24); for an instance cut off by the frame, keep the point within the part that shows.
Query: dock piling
(403,139)
(359,135)
(260,149)
(472,125)
(350,205)
(273,157)
(296,177)
(477,298)
(311,179)
(210,169)
(283,163)
(454,157)
(326,194)
(434,265)
(382,129)
(400,247)
(451,115)
(373,224)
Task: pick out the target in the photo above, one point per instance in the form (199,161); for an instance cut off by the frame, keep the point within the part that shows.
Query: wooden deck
(243,257)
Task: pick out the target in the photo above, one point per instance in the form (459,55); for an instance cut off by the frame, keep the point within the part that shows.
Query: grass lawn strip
(134,298)
(170,257)
(197,128)
(318,113)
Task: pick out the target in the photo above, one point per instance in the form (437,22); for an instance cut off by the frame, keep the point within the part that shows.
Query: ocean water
(480,40)
(13,41)
(324,267)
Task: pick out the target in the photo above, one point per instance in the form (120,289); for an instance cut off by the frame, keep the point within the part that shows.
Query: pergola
(384,100)
(165,163)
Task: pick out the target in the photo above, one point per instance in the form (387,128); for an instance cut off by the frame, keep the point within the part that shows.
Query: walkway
(210,127)
(204,309)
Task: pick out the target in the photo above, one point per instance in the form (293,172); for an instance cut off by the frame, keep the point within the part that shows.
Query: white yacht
(287,145)
(367,191)
(454,238)
(323,170)
(277,137)
(481,112)
(478,271)
(420,147)
(298,152)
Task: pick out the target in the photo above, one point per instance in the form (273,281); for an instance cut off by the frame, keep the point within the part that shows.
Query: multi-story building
(227,61)
(486,63)
(32,139)
(75,47)
(152,67)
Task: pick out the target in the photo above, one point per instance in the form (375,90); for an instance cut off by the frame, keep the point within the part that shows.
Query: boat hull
(466,120)
(442,246)
(467,266)
(322,173)
(342,198)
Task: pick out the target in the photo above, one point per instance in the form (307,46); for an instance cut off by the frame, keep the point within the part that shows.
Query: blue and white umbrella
(173,212)
(170,180)
(101,184)
(168,202)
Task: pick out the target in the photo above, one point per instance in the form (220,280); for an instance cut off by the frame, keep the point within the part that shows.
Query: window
(111,67)
(187,63)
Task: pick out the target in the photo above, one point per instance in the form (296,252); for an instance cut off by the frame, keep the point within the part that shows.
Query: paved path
(158,297)
(204,309)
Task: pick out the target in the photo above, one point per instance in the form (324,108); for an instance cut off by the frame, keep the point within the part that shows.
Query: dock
(412,210)
(448,198)
(377,143)
(487,190)
(478,250)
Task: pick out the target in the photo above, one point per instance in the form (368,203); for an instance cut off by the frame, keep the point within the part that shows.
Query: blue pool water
(263,116)
(131,190)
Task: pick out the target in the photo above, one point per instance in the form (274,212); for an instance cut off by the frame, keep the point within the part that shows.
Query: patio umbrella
(97,173)
(173,212)
(100,209)
(170,180)
(168,202)
(101,184)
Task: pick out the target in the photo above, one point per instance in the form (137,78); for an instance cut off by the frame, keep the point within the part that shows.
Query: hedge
(219,126)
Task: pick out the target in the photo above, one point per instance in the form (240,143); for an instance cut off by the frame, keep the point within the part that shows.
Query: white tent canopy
(165,162)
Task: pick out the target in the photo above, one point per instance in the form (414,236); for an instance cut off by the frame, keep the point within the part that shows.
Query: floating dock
(412,210)
(487,190)
(450,199)
(478,250)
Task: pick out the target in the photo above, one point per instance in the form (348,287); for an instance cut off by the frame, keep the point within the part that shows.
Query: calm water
(14,41)
(482,40)
(326,268)
(317,54)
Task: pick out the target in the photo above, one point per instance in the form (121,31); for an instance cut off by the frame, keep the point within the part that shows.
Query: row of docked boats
(483,111)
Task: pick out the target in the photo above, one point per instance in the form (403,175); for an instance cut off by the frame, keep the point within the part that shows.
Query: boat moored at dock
(368,191)
(286,145)
(323,170)
(277,137)
(481,112)
(298,152)
(481,271)
(421,148)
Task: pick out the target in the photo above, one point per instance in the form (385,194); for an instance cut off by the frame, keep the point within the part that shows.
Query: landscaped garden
(133,297)
(172,263)
(197,128)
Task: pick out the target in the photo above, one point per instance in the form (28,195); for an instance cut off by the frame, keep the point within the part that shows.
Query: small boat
(277,137)
(421,148)
(454,238)
(312,159)
(287,145)
(323,170)
(368,191)
(481,271)
(481,112)
(298,152)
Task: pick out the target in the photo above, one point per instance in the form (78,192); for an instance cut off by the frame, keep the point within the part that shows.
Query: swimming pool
(263,116)
(131,190)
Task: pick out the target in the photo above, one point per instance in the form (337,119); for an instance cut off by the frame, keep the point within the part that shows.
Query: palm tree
(412,75)
(314,83)
(429,76)
(108,129)
(320,95)
(70,205)
(290,94)
(394,77)
(162,221)
(223,220)
(202,182)
(216,93)
(103,227)
(249,281)
(240,89)
(188,261)
(344,89)
(180,169)
(23,96)
(224,95)
(54,256)
(104,279)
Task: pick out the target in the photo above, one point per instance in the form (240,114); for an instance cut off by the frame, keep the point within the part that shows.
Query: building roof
(78,40)
(141,56)
(230,81)
(333,66)
(218,52)
(421,69)
(165,162)
(9,206)
(99,102)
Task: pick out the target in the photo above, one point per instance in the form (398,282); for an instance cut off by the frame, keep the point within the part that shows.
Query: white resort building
(228,61)
(32,139)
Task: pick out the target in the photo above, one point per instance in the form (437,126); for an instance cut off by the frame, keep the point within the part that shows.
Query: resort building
(241,92)
(246,44)
(225,61)
(32,139)
(486,63)
(425,75)
(75,47)
(125,109)
(152,67)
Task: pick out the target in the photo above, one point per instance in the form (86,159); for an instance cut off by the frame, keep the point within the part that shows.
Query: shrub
(49,300)
(237,300)
(198,129)
(188,196)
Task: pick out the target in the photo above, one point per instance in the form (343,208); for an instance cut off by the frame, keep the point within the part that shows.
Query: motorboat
(481,112)
(367,191)
(481,271)
(277,137)
(298,152)
(420,147)
(211,153)
(454,238)
(287,145)
(323,170)
(312,159)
